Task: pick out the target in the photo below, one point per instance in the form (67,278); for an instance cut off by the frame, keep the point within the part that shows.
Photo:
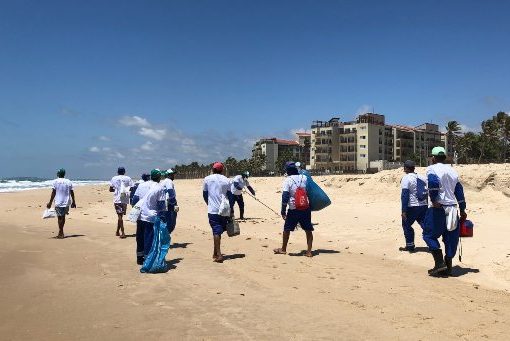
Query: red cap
(218,166)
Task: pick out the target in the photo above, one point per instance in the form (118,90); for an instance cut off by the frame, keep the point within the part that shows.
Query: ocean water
(25,184)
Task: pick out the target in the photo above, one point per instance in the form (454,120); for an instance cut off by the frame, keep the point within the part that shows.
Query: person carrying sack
(295,197)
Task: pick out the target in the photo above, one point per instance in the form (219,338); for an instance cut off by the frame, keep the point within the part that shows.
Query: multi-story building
(351,146)
(272,148)
(305,142)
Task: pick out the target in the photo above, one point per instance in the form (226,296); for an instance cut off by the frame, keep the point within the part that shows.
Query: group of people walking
(434,201)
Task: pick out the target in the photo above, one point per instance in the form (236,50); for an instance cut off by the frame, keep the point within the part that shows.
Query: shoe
(440,267)
(409,249)
(139,260)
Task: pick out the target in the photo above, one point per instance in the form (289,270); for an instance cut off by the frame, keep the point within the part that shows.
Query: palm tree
(503,121)
(453,130)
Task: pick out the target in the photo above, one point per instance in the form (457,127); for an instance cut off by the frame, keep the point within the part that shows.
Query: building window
(363,155)
(363,137)
(363,146)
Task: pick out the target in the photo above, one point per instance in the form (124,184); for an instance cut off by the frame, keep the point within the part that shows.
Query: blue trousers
(147,229)
(240,201)
(171,219)
(435,227)
(414,214)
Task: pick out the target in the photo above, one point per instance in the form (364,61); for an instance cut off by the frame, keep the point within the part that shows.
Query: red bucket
(466,228)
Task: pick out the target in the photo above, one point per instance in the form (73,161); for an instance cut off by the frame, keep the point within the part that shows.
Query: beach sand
(358,286)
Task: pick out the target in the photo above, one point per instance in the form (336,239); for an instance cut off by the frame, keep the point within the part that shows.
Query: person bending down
(293,216)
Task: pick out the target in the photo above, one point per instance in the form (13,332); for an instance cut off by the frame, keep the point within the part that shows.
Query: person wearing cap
(171,199)
(216,189)
(141,191)
(144,178)
(153,205)
(238,184)
(293,216)
(120,185)
(414,203)
(63,194)
(441,220)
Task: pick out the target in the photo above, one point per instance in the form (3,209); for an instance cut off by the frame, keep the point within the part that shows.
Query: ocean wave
(9,185)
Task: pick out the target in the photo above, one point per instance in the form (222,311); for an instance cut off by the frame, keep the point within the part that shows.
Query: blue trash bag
(316,196)
(155,261)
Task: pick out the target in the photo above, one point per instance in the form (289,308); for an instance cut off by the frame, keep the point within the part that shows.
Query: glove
(176,208)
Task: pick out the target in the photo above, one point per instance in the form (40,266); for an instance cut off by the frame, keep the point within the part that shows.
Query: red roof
(287,142)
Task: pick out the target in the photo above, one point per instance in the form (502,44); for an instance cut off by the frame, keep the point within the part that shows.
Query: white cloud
(106,149)
(134,121)
(365,108)
(94,149)
(465,129)
(147,146)
(104,138)
(118,155)
(156,134)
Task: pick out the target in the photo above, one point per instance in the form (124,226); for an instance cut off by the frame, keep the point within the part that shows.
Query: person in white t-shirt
(238,184)
(63,195)
(171,199)
(140,192)
(153,205)
(414,203)
(446,200)
(295,214)
(120,185)
(216,189)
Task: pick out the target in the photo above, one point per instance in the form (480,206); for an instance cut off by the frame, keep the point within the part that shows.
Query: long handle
(257,199)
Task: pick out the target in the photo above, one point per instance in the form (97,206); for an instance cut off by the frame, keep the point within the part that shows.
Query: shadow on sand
(69,236)
(234,256)
(179,245)
(458,271)
(171,264)
(130,235)
(314,252)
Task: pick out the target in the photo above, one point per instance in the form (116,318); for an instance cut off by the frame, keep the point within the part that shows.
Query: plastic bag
(233,228)
(49,213)
(224,207)
(317,197)
(134,214)
(155,261)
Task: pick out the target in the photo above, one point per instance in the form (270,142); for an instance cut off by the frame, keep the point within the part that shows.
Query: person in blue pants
(441,219)
(414,203)
(171,199)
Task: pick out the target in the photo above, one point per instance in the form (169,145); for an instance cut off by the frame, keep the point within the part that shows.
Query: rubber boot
(139,260)
(439,264)
(448,262)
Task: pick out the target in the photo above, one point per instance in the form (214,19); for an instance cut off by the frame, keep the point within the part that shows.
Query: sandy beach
(358,285)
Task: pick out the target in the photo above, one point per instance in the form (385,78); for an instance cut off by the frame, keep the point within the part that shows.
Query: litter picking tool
(257,199)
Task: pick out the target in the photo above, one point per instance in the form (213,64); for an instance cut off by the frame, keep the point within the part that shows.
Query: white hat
(170,171)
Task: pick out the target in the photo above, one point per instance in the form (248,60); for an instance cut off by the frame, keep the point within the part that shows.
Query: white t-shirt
(217,186)
(116,182)
(448,179)
(143,189)
(242,183)
(291,184)
(63,188)
(409,182)
(149,208)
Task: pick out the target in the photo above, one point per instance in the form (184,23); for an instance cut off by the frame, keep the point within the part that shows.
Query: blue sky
(90,85)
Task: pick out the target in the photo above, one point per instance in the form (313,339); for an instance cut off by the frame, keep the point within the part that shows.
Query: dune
(358,285)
